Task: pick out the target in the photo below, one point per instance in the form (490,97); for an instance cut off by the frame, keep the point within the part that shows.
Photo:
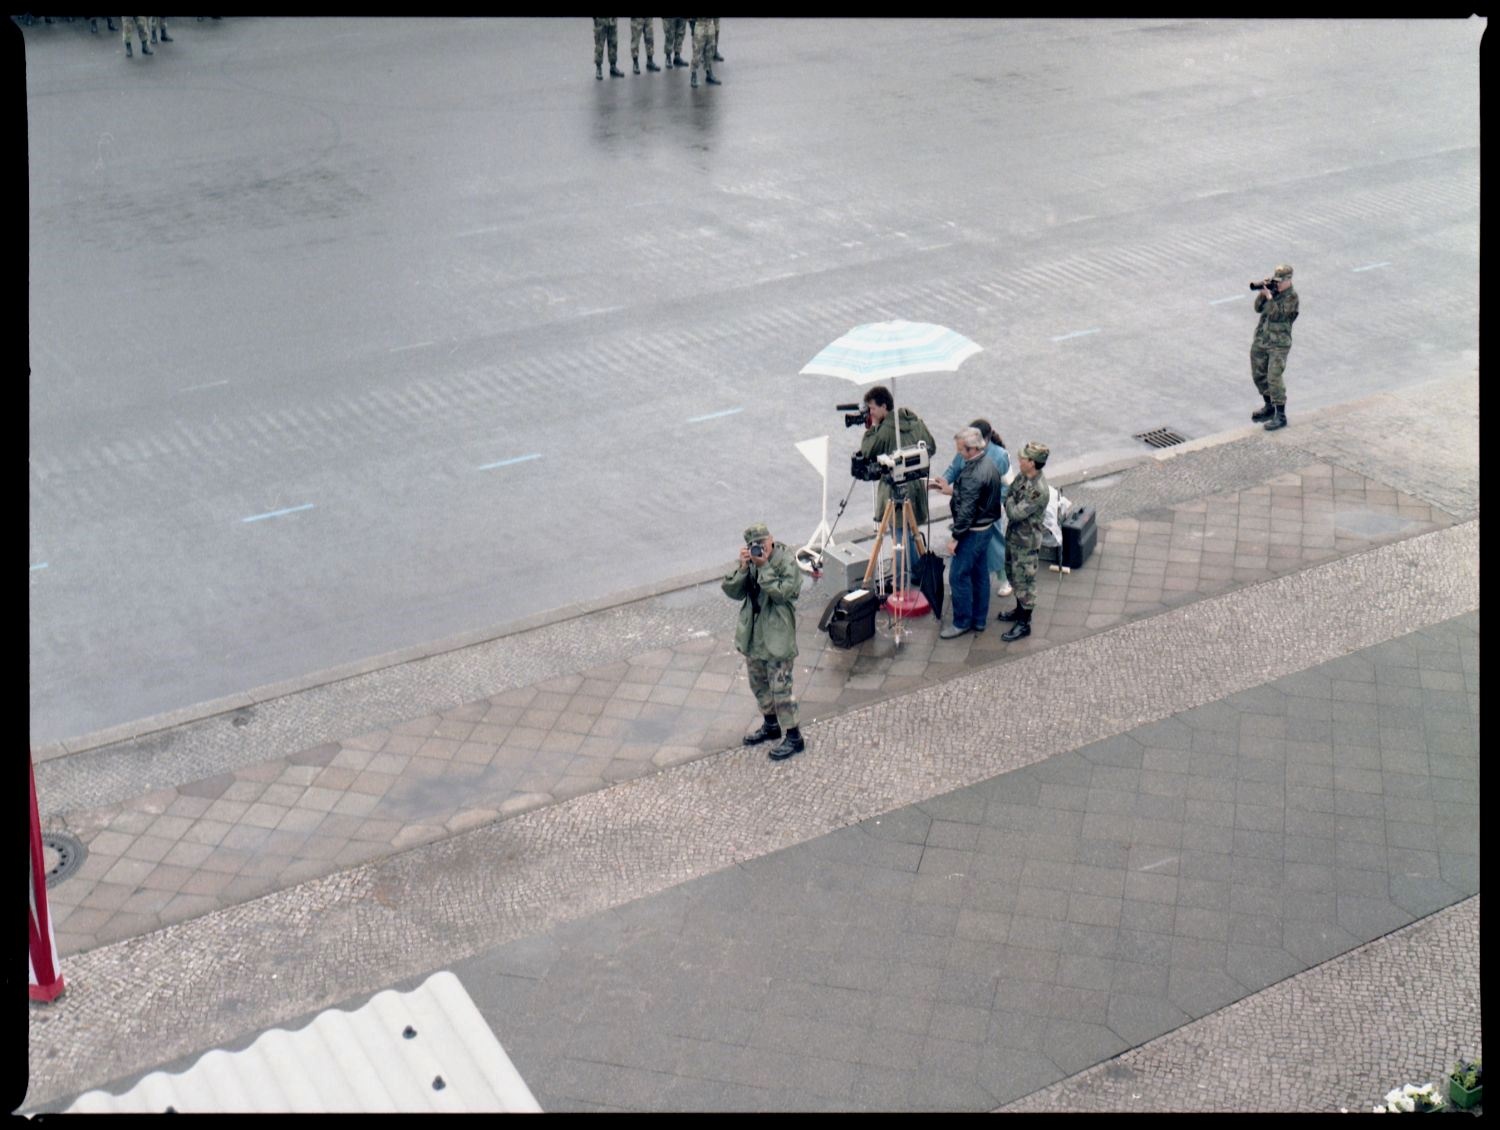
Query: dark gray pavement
(352,262)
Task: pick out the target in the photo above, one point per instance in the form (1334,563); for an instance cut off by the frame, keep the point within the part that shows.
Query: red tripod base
(908,603)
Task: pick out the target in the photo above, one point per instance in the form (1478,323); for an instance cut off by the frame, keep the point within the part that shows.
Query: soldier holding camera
(1277,306)
(767,581)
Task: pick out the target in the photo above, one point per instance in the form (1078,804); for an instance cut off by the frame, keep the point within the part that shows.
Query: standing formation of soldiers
(705,44)
(156,25)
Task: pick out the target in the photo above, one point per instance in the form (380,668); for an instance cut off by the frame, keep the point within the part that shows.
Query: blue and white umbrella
(885,350)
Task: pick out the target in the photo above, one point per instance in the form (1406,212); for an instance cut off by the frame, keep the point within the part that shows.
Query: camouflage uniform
(140,30)
(705,43)
(157,26)
(605,32)
(1273,339)
(673,28)
(1025,506)
(767,632)
(639,24)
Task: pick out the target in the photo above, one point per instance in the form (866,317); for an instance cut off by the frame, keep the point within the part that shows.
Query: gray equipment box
(846,564)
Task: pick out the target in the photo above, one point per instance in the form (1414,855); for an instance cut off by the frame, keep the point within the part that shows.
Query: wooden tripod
(888,521)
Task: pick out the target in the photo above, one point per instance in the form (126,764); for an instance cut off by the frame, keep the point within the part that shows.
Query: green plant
(1467,1074)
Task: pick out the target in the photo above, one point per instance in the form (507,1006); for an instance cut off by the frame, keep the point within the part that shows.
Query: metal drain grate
(63,854)
(1161,437)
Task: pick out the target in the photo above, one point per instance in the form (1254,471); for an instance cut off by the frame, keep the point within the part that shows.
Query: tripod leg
(885,522)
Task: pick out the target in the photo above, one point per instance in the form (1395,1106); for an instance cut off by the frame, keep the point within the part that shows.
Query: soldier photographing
(766,581)
(1276,303)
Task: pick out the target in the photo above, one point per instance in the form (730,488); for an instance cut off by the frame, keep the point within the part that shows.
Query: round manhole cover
(62,855)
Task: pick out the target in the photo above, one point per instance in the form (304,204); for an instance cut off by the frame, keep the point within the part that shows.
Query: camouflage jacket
(768,617)
(1276,318)
(1025,507)
(881,440)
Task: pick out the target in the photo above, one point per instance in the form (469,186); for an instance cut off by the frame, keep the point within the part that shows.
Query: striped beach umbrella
(884,350)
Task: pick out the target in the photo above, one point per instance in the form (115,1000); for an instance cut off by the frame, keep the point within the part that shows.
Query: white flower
(1392,1095)
(1405,1105)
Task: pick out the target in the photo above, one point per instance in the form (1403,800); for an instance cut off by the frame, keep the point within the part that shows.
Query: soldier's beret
(1283,271)
(1036,452)
(756,533)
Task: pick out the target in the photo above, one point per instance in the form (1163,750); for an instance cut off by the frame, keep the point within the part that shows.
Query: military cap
(1036,452)
(756,533)
(1282,271)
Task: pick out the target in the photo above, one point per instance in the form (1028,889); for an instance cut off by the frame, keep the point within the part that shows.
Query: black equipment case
(849,619)
(1079,533)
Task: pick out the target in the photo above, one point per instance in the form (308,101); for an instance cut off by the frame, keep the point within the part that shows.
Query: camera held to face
(856,415)
(1273,284)
(757,550)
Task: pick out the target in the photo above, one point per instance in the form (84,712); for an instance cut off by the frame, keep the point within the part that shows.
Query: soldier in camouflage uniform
(639,24)
(606,33)
(673,28)
(140,30)
(705,46)
(1273,341)
(1025,507)
(766,581)
(158,26)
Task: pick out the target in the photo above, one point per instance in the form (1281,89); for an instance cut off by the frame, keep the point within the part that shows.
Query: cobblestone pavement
(175,853)
(1398,1010)
(417,870)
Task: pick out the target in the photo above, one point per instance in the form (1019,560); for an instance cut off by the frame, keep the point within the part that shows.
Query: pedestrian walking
(606,34)
(1025,510)
(639,24)
(1277,306)
(766,581)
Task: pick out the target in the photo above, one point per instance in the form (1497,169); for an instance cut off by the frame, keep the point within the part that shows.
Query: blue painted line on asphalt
(278,513)
(43,565)
(508,462)
(1371,267)
(716,415)
(1232,298)
(1076,333)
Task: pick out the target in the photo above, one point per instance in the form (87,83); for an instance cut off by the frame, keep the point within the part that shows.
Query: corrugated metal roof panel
(428,1049)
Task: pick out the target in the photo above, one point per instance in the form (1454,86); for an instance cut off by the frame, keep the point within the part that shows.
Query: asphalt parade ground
(1171,852)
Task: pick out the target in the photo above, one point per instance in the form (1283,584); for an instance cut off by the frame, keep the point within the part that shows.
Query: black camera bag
(849,619)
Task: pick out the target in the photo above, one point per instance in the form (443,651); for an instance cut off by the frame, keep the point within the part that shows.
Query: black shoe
(128,53)
(165,38)
(693,79)
(146,50)
(109,23)
(651,64)
(768,729)
(789,745)
(153,37)
(1264,413)
(709,76)
(1277,421)
(615,72)
(635,65)
(667,61)
(1021,628)
(1013,615)
(94,24)
(599,71)
(718,58)
(677,61)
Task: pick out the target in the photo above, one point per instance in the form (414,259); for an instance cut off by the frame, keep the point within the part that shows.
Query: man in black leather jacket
(978,497)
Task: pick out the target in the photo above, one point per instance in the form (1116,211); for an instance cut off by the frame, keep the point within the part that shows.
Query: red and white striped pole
(46,976)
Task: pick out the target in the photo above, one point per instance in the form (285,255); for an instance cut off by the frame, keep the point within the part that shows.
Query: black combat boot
(677,60)
(128,53)
(94,24)
(109,23)
(693,78)
(651,63)
(1021,628)
(769,728)
(709,76)
(790,744)
(599,71)
(717,57)
(145,50)
(667,60)
(635,63)
(1013,614)
(615,72)
(1264,413)
(153,35)
(165,38)
(1278,421)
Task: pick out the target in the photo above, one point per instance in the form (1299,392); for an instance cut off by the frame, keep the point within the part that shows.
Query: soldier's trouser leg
(1275,386)
(599,37)
(1259,358)
(771,681)
(702,61)
(1020,568)
(125,25)
(612,40)
(639,24)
